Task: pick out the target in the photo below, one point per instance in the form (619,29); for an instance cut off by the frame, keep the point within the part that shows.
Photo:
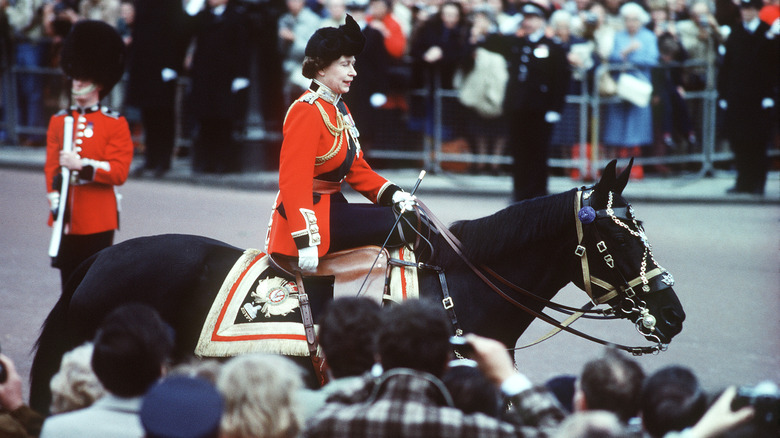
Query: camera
(461,345)
(765,399)
(704,21)
(3,372)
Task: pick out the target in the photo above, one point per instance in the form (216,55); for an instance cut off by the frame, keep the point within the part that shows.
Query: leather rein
(629,304)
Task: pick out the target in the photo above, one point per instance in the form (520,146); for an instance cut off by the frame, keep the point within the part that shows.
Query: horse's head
(617,261)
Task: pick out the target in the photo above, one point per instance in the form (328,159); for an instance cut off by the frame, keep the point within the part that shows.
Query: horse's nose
(673,318)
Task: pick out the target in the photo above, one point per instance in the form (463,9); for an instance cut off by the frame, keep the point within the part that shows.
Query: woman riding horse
(320,149)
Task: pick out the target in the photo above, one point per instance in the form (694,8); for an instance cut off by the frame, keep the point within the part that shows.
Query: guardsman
(536,91)
(93,57)
(321,150)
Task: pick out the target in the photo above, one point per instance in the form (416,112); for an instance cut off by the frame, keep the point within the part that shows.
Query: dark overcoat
(221,55)
(157,43)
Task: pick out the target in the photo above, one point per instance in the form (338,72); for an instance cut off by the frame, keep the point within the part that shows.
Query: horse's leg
(53,342)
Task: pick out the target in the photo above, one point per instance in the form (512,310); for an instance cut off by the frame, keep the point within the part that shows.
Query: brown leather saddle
(348,268)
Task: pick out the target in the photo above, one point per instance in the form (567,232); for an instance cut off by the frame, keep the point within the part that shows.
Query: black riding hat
(94,50)
(330,43)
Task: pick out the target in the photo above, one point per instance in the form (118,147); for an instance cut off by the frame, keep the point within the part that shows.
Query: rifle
(59,221)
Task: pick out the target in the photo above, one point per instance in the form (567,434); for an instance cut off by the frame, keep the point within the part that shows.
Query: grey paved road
(724,258)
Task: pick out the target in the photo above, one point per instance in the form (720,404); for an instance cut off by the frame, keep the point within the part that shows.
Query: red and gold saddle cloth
(256,310)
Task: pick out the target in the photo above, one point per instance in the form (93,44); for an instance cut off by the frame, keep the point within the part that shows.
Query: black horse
(538,245)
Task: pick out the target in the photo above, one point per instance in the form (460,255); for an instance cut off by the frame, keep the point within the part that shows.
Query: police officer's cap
(94,50)
(531,8)
(357,5)
(182,406)
(330,43)
(755,4)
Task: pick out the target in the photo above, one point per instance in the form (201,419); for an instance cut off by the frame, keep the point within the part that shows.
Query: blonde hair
(260,394)
(75,385)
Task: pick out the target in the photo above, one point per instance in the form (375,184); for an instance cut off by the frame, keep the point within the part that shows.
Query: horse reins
(457,247)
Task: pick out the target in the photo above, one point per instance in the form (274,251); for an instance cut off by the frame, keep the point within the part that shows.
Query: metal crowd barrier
(427,146)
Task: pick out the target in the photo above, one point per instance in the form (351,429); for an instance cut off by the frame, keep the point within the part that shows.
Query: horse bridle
(630,301)
(629,304)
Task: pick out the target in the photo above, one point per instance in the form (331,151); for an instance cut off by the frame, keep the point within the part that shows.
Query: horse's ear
(607,181)
(622,180)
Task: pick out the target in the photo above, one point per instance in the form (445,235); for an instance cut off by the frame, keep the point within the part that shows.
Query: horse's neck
(529,244)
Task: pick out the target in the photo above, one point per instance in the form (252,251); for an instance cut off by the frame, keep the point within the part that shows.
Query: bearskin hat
(330,43)
(94,50)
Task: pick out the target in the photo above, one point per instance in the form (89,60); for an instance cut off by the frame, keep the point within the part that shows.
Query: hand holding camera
(10,385)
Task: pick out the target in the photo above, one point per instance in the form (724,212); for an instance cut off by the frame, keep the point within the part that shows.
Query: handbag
(607,84)
(484,87)
(633,89)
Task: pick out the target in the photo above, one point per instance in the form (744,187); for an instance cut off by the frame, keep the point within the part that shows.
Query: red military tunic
(106,149)
(316,144)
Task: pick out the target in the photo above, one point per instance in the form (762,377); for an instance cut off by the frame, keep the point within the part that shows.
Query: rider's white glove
(308,259)
(723,104)
(767,102)
(405,201)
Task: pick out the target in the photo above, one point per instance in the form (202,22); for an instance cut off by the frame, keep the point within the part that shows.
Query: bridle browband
(629,303)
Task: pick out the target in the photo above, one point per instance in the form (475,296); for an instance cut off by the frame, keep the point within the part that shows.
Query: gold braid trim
(336,131)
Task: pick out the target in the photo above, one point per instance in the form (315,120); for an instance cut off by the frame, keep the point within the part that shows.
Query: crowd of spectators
(392,373)
(427,45)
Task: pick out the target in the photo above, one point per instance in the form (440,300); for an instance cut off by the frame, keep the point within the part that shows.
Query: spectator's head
(534,17)
(562,388)
(415,334)
(260,397)
(611,383)
(471,391)
(207,369)
(379,9)
(560,22)
(75,385)
(634,17)
(451,14)
(591,424)
(217,3)
(295,7)
(347,335)
(337,9)
(483,19)
(671,400)
(182,406)
(701,10)
(749,9)
(131,348)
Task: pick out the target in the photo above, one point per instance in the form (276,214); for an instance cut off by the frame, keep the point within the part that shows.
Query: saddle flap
(348,268)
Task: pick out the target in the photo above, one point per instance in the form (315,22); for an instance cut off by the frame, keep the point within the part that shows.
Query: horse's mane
(508,230)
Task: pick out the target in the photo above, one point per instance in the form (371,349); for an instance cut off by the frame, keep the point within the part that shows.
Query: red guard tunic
(318,141)
(106,149)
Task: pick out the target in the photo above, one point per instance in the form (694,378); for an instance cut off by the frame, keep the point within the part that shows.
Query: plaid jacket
(406,403)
